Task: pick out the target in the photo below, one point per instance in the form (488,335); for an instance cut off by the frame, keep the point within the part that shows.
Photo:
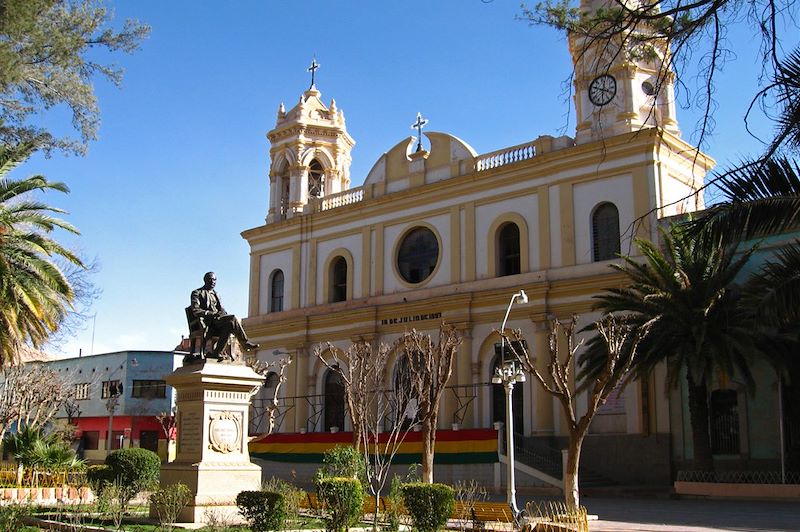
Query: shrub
(264,510)
(429,505)
(12,516)
(343,461)
(138,468)
(343,497)
(292,495)
(133,470)
(98,476)
(168,503)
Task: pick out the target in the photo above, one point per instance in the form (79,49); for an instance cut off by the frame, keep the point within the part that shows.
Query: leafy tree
(34,293)
(762,197)
(695,320)
(48,58)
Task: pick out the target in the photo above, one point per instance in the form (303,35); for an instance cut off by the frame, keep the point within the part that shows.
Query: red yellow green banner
(471,446)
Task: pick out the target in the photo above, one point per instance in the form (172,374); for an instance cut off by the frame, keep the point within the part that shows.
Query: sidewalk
(663,515)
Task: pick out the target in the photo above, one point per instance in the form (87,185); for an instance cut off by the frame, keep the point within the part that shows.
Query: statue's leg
(223,330)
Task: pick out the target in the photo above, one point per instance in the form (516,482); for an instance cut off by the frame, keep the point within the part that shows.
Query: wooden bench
(485,515)
(312,502)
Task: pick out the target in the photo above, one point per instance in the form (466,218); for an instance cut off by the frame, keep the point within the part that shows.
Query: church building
(438,232)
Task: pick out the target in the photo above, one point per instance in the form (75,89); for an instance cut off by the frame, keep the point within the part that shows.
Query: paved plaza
(663,515)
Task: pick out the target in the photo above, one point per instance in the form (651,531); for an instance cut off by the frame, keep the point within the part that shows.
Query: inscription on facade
(409,319)
(190,432)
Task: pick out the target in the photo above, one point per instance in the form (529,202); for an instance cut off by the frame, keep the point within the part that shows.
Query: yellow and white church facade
(443,233)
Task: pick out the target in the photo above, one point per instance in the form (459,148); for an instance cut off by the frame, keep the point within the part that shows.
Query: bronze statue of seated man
(207,306)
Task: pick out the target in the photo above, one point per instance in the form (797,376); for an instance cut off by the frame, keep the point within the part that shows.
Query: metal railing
(740,477)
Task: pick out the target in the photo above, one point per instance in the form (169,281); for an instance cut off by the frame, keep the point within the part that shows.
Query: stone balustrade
(511,155)
(347,197)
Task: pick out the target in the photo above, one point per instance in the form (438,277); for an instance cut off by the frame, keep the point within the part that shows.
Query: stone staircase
(533,453)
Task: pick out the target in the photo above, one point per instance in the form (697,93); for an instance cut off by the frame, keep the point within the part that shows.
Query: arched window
(316,179)
(605,232)
(499,399)
(406,404)
(508,250)
(284,191)
(338,280)
(334,401)
(276,292)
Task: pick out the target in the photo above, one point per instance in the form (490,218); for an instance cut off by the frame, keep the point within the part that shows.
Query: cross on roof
(313,69)
(418,125)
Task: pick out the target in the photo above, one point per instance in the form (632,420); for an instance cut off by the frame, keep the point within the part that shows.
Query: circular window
(417,255)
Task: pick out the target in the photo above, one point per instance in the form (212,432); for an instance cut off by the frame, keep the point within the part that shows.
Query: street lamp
(508,374)
(113,401)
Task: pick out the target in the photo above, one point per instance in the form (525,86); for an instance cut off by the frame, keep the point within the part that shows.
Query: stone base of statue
(213,400)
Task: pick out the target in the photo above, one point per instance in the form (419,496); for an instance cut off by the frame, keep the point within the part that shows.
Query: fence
(740,477)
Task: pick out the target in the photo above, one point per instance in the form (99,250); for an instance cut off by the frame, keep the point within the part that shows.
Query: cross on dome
(418,125)
(313,69)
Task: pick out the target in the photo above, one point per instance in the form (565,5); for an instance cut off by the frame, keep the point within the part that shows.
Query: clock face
(602,90)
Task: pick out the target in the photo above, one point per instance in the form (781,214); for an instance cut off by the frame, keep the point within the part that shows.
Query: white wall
(586,196)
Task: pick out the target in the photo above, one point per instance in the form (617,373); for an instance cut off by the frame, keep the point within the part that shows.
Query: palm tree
(762,198)
(34,293)
(695,321)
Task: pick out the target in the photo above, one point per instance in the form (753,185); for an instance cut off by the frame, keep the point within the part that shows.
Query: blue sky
(181,165)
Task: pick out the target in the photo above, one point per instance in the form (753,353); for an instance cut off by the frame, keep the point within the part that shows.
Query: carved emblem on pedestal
(225,431)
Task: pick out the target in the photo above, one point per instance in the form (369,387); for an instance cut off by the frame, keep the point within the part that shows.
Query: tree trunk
(698,414)
(571,492)
(377,510)
(428,443)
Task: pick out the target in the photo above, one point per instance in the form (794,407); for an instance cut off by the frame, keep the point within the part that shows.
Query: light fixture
(507,375)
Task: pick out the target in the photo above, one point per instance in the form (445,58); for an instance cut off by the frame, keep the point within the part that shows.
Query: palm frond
(774,291)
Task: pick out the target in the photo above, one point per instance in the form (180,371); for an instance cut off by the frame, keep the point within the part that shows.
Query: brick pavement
(662,515)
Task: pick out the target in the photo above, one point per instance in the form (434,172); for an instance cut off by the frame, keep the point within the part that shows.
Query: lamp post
(111,405)
(113,401)
(508,374)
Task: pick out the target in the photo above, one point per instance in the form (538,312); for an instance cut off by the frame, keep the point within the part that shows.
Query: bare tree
(168,422)
(381,418)
(264,368)
(621,342)
(31,395)
(430,365)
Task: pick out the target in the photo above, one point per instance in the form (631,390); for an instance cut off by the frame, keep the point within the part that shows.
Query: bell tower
(621,84)
(309,155)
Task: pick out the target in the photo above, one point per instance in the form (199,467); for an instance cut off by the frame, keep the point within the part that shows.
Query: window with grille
(724,421)
(508,250)
(276,292)
(149,389)
(111,389)
(82,391)
(605,232)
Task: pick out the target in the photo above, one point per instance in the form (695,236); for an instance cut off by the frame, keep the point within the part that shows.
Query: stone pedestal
(212,459)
